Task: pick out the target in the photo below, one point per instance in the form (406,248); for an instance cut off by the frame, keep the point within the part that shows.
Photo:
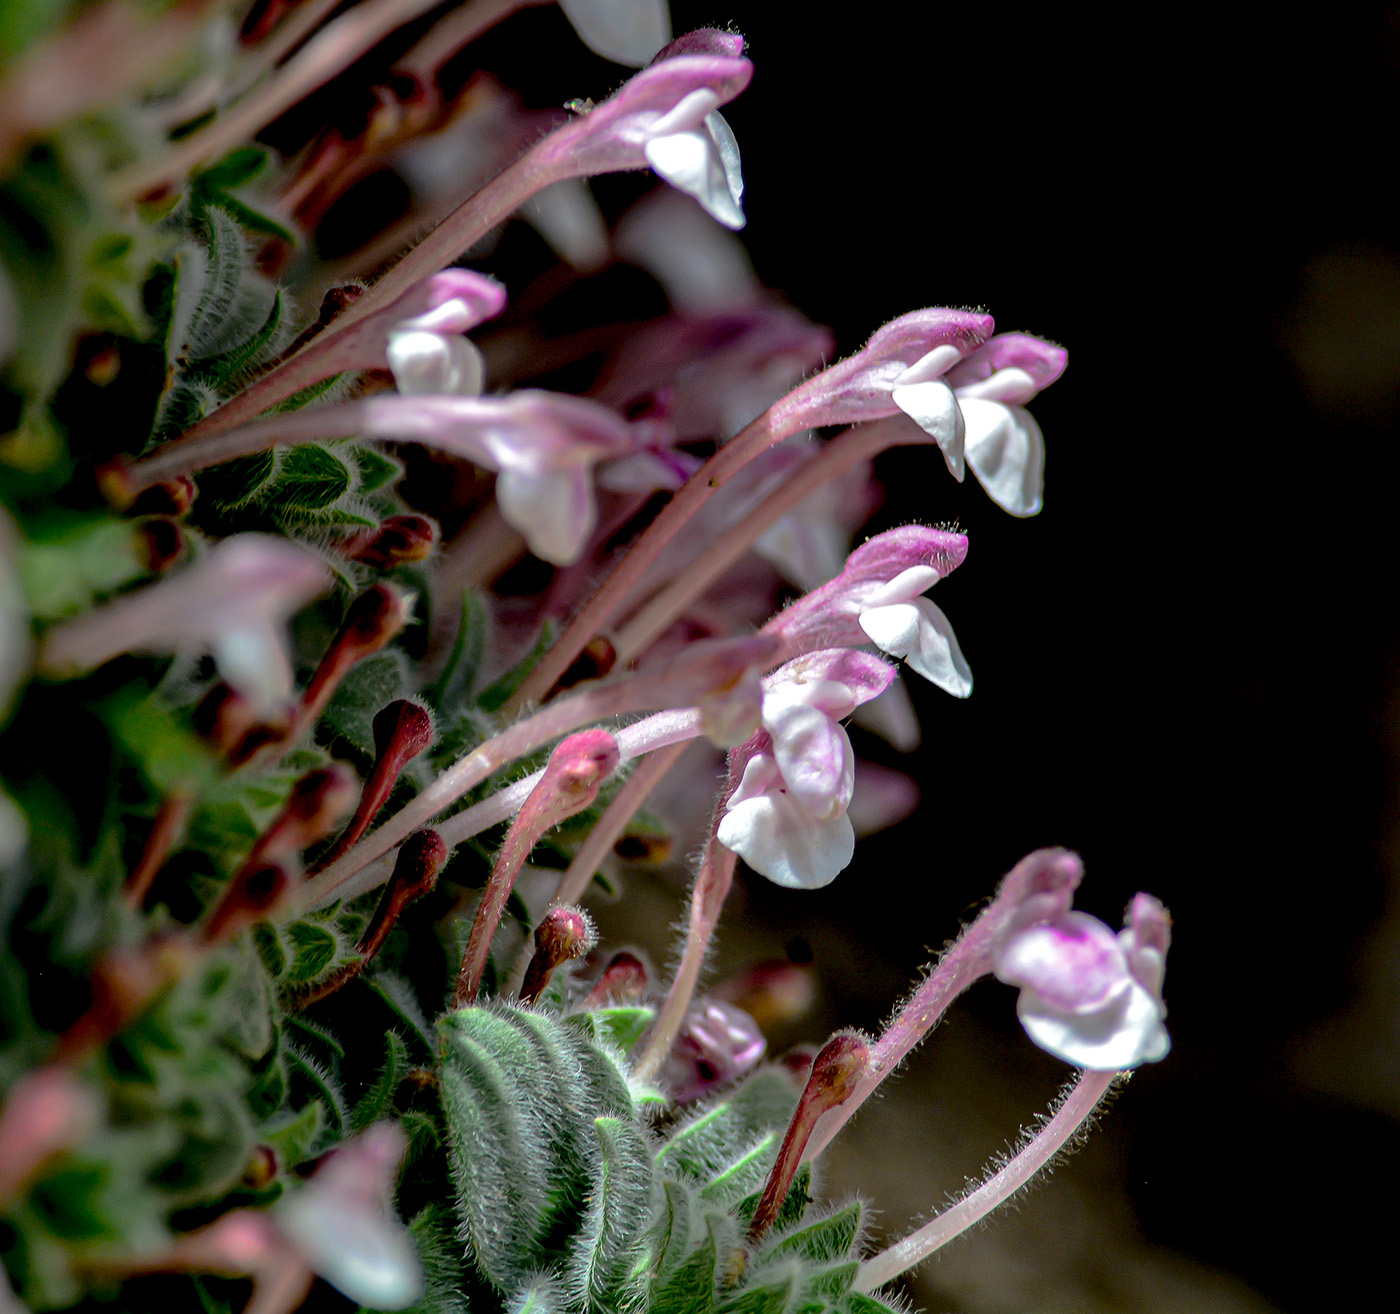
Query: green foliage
(556,1171)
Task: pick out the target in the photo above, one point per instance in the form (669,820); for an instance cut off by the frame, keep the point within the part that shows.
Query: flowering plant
(378,638)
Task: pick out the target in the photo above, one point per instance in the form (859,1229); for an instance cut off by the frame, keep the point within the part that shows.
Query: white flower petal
(920,633)
(355,1246)
(904,587)
(1006,451)
(1124,1035)
(783,842)
(567,217)
(625,31)
(815,757)
(554,509)
(252,657)
(934,408)
(693,162)
(435,363)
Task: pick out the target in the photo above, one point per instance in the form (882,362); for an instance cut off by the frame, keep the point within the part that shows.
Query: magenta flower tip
(703,41)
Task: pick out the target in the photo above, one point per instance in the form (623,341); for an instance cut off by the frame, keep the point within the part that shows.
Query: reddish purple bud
(403,728)
(261,1171)
(597,660)
(650,848)
(421,857)
(371,621)
(402,731)
(317,802)
(563,934)
(836,1072)
(172,498)
(160,543)
(400,540)
(256,890)
(773,992)
(625,980)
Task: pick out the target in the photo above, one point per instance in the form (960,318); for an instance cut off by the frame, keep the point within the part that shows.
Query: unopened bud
(317,801)
(625,980)
(399,541)
(234,726)
(562,935)
(839,1065)
(836,1072)
(160,543)
(403,728)
(420,859)
(402,731)
(771,992)
(374,618)
(254,892)
(172,498)
(261,1171)
(649,847)
(597,659)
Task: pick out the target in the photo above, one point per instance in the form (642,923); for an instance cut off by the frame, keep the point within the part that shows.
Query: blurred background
(1186,665)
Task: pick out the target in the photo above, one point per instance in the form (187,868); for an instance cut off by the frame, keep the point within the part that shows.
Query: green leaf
(453,687)
(608,1263)
(367,690)
(71,562)
(829,1240)
(293,1137)
(770,1297)
(439,1251)
(311,478)
(378,1100)
(397,996)
(690,1288)
(621,1025)
(377,469)
(494,697)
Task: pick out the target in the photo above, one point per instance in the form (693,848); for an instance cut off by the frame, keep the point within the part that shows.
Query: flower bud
(625,980)
(563,934)
(400,540)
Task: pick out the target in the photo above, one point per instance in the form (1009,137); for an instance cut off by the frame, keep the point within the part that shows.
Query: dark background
(1186,665)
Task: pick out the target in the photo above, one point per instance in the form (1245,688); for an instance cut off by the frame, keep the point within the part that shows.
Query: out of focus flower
(716,1044)
(234,602)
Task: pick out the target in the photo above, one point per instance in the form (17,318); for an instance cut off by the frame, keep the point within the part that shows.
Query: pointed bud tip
(421,857)
(404,726)
(839,1065)
(565,933)
(624,980)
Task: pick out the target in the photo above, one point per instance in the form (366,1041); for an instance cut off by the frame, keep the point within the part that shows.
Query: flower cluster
(385,645)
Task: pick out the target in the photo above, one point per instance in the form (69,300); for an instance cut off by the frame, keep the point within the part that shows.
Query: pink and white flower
(787,818)
(1088,996)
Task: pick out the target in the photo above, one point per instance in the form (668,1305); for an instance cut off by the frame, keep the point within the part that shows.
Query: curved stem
(836,458)
(769,429)
(706,900)
(574,882)
(321,59)
(629,694)
(1076,1108)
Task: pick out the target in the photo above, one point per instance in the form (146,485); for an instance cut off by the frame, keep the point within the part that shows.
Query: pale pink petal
(814,756)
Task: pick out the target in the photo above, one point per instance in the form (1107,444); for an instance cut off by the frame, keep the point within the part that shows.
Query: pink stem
(1077,1107)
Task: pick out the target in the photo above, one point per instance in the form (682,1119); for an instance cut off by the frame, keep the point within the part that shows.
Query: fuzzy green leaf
(378,1100)
(370,687)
